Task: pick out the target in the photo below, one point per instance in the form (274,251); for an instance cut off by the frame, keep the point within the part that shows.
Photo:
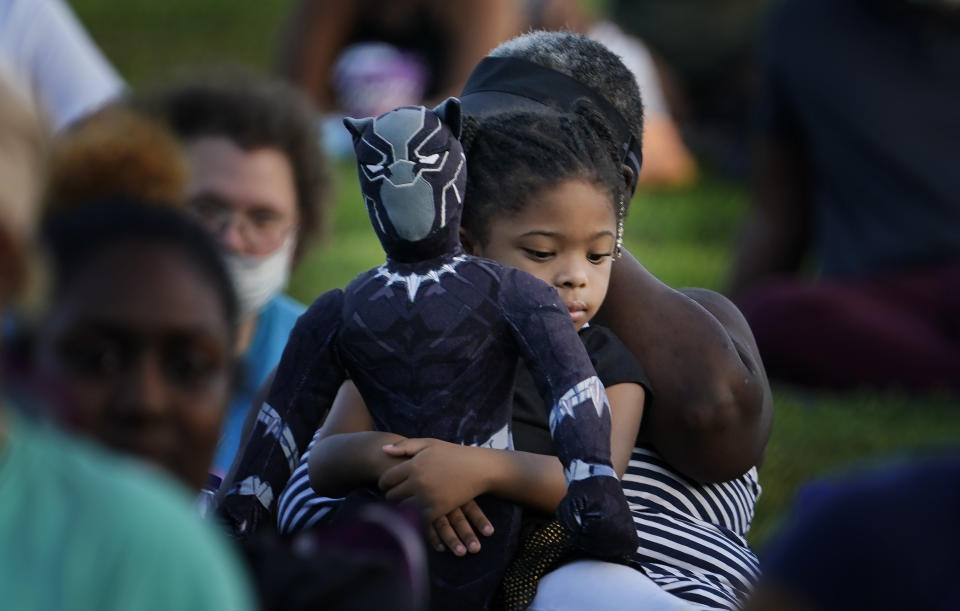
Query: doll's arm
(594,509)
(307,379)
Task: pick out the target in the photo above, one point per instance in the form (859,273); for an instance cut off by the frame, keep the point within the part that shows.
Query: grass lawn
(683,237)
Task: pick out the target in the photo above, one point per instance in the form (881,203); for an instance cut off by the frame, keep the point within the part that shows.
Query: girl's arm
(626,413)
(442,476)
(348,453)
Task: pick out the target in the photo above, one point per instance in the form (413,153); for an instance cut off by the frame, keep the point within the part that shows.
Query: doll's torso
(430,351)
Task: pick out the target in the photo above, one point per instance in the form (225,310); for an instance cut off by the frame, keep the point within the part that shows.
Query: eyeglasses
(261,230)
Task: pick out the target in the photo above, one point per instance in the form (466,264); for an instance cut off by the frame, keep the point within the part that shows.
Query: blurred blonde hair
(24,140)
(117,152)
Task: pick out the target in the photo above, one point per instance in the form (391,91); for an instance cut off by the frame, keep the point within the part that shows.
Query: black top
(869,92)
(615,364)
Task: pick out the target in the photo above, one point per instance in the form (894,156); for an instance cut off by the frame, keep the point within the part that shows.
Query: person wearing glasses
(258,184)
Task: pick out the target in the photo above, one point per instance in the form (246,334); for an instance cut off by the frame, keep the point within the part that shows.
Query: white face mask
(258,279)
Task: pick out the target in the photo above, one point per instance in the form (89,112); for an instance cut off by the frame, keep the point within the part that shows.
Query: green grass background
(684,237)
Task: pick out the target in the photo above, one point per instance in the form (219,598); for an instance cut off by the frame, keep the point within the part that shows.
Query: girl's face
(565,235)
(140,344)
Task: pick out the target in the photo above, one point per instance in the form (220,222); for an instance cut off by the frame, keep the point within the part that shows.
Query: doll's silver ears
(450,113)
(356,127)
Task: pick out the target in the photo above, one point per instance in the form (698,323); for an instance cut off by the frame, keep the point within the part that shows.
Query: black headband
(526,79)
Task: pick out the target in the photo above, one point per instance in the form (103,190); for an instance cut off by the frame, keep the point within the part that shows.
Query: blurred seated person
(666,160)
(258,185)
(364,57)
(856,154)
(47,56)
(898,520)
(81,529)
(706,53)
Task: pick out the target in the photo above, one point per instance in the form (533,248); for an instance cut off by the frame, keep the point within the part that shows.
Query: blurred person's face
(248,202)
(139,343)
(246,199)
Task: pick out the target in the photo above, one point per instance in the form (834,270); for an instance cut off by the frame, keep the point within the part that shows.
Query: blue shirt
(269,339)
(88,531)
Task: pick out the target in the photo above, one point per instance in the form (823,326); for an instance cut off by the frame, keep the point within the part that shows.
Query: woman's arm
(713,410)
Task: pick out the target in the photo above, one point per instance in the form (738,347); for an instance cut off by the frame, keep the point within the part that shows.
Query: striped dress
(299,507)
(692,535)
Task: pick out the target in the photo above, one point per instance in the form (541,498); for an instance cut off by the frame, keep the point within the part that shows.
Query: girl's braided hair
(514,156)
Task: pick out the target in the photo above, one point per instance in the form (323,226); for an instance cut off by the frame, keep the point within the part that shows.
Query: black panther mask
(412,174)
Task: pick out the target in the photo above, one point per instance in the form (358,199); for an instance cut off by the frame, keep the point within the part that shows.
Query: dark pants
(897,331)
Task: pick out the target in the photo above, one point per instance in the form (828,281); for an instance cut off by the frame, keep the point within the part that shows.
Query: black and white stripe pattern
(692,535)
(299,506)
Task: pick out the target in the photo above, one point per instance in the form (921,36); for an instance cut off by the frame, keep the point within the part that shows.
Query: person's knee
(601,586)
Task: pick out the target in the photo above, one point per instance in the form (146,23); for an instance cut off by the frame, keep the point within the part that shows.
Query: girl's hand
(455,531)
(439,476)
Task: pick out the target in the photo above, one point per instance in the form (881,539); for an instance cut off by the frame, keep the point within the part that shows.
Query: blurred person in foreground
(117,152)
(258,185)
(856,156)
(666,160)
(112,153)
(139,333)
(898,520)
(81,529)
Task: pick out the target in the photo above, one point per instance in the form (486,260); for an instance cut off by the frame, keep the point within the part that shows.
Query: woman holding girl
(561,222)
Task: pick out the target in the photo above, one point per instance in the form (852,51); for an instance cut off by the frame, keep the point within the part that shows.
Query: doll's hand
(456,531)
(437,475)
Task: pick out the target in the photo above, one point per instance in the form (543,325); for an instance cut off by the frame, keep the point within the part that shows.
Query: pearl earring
(621,212)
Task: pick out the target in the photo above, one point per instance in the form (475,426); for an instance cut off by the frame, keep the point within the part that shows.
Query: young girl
(692,535)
